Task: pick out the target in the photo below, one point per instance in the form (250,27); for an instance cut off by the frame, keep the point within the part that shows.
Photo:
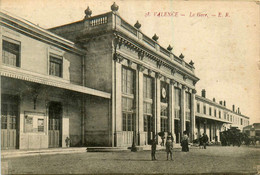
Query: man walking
(169,146)
(205,140)
(153,148)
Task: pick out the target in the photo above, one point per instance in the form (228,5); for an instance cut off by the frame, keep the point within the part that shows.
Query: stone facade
(99,82)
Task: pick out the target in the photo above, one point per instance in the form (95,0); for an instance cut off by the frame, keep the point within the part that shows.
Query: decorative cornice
(156,57)
(159,64)
(141,55)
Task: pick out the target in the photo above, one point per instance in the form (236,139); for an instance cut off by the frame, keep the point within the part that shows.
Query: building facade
(213,117)
(44,99)
(99,81)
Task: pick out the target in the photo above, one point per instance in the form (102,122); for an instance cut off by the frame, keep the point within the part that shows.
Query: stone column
(193,117)
(183,106)
(171,107)
(158,102)
(140,108)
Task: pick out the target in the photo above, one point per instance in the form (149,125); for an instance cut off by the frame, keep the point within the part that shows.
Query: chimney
(214,100)
(203,93)
(233,108)
(220,102)
(224,103)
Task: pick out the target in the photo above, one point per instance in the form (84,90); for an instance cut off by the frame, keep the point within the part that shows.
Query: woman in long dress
(185,142)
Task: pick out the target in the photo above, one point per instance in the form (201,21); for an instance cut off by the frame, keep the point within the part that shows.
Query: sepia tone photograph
(130,87)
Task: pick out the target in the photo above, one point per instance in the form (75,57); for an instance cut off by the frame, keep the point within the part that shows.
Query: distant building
(213,117)
(101,82)
(252,130)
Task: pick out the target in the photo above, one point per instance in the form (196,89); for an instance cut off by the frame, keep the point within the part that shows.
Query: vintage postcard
(130,87)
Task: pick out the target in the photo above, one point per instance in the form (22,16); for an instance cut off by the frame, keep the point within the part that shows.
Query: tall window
(164,106)
(177,103)
(148,102)
(198,107)
(55,66)
(11,53)
(188,106)
(204,109)
(128,99)
(210,112)
(215,113)
(219,114)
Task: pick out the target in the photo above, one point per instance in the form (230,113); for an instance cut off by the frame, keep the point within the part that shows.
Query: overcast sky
(224,44)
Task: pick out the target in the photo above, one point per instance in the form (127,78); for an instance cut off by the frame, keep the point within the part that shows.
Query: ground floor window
(128,121)
(164,124)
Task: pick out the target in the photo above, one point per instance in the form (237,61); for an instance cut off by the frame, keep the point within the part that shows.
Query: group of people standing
(169,145)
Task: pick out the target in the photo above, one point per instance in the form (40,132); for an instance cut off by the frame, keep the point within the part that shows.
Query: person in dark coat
(169,146)
(153,148)
(205,140)
(185,142)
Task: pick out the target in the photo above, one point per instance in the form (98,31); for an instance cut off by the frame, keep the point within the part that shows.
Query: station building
(100,82)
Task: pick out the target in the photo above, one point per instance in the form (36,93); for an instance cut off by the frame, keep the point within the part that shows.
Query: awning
(25,75)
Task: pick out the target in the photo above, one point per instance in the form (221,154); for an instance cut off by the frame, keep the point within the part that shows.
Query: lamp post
(133,148)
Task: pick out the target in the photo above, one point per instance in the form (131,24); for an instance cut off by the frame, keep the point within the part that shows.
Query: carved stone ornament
(169,48)
(181,56)
(129,62)
(150,72)
(88,13)
(172,81)
(155,37)
(173,71)
(117,57)
(159,64)
(185,77)
(140,67)
(191,63)
(137,25)
(141,55)
(184,87)
(158,75)
(194,91)
(114,7)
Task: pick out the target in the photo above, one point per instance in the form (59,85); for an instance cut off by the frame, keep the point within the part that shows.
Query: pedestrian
(162,143)
(200,142)
(153,148)
(169,146)
(185,142)
(205,140)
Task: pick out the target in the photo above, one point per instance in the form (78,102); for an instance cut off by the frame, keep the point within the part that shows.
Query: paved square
(212,160)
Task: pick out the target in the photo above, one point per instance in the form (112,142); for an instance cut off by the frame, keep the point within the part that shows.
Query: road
(214,159)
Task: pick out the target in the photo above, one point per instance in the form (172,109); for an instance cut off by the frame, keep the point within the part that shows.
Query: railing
(128,27)
(98,21)
(164,51)
(188,66)
(149,41)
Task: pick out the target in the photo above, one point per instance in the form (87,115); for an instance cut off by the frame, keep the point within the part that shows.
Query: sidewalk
(52,151)
(35,152)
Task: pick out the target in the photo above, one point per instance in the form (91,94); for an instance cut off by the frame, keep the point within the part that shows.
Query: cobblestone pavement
(212,160)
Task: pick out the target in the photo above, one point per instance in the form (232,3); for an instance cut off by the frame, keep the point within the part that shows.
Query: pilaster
(183,106)
(193,118)
(158,102)
(171,107)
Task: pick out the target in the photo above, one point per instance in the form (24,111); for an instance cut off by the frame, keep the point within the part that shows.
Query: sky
(221,37)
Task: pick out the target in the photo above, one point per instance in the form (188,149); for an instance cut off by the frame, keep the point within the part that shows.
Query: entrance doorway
(55,116)
(9,122)
(177,130)
(150,129)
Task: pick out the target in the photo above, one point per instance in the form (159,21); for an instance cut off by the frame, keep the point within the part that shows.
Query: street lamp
(133,148)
